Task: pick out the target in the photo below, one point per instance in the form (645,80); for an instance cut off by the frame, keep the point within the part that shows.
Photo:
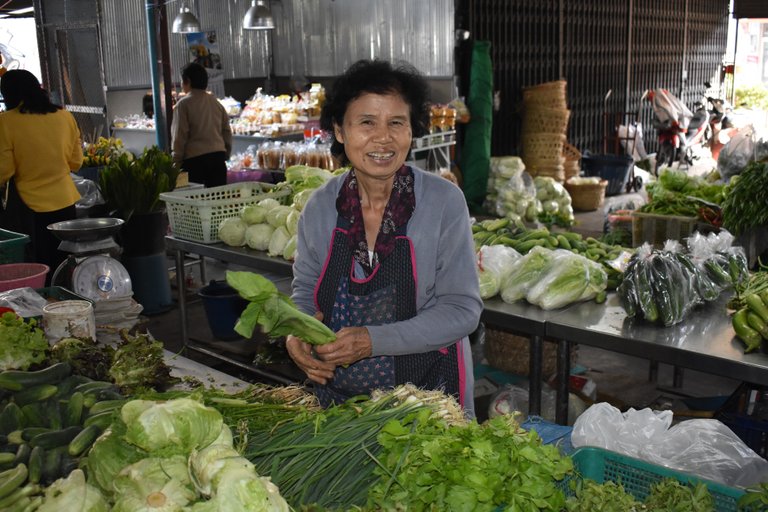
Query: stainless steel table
(280,270)
(704,341)
(530,321)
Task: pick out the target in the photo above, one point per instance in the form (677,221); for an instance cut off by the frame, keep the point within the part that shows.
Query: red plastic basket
(19,275)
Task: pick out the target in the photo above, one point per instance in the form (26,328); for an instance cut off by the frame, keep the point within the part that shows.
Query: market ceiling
(16,9)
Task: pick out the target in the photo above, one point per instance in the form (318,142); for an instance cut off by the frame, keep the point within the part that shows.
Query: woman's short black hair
(375,77)
(196,75)
(20,87)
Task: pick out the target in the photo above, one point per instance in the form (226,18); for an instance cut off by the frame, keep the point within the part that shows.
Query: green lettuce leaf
(22,344)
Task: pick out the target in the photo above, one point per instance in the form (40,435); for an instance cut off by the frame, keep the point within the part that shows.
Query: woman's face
(376,133)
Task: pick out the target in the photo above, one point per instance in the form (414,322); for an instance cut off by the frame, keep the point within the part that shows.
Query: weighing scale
(90,269)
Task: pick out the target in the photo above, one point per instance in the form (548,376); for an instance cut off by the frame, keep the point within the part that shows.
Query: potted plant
(131,188)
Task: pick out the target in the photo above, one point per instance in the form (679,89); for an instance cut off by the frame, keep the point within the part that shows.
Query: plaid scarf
(397,213)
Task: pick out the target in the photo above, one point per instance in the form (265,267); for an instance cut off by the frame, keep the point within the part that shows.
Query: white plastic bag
(604,426)
(494,262)
(705,448)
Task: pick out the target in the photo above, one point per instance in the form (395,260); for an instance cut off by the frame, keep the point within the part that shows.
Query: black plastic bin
(615,169)
(223,306)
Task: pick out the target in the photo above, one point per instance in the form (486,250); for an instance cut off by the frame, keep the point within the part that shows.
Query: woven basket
(572,165)
(587,197)
(543,148)
(511,353)
(538,119)
(555,172)
(549,94)
(571,169)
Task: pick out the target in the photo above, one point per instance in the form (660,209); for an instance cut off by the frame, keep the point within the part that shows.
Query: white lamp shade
(258,17)
(185,22)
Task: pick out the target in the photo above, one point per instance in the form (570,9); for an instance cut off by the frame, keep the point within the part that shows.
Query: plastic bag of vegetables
(658,287)
(555,202)
(569,278)
(524,273)
(494,262)
(720,261)
(511,192)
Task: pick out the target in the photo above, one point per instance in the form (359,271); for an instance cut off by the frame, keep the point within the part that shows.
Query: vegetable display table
(182,367)
(704,341)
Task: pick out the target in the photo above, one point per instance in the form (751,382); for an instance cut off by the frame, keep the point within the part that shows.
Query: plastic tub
(69,318)
(19,275)
(612,168)
(223,306)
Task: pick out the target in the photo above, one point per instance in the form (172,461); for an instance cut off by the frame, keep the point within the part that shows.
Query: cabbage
(300,198)
(292,222)
(570,278)
(489,283)
(73,494)
(109,455)
(289,251)
(268,203)
(257,236)
(241,489)
(278,241)
(207,463)
(253,213)
(178,425)
(154,485)
(524,273)
(278,215)
(232,231)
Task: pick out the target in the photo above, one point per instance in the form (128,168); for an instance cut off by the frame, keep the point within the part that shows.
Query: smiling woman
(364,238)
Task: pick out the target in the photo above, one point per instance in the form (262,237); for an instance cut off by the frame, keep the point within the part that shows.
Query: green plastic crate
(12,246)
(638,476)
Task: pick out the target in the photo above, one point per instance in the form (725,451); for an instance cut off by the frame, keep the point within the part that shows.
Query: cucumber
(33,415)
(36,458)
(56,438)
(51,466)
(16,380)
(73,413)
(11,418)
(83,440)
(18,496)
(93,386)
(30,432)
(68,385)
(11,479)
(22,454)
(35,394)
(107,405)
(102,419)
(7,458)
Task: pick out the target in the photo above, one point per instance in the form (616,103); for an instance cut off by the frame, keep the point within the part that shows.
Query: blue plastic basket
(638,476)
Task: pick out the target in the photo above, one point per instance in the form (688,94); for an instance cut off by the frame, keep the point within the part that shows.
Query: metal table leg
(563,373)
(677,377)
(534,376)
(181,286)
(653,371)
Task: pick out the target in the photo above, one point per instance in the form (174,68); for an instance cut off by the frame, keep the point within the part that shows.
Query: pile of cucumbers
(751,321)
(506,232)
(48,419)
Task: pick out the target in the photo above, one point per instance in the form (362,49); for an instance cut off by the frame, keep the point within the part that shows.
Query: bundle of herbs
(745,200)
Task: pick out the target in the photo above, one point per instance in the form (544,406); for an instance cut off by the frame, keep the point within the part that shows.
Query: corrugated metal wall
(597,46)
(318,38)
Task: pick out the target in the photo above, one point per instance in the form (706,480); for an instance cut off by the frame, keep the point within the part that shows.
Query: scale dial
(101,277)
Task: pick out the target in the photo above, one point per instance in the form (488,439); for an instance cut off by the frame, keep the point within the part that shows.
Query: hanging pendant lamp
(185,22)
(258,17)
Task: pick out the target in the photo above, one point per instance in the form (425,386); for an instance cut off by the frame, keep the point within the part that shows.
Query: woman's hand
(352,344)
(301,353)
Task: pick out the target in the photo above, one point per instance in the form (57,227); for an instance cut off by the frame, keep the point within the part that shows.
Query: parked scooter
(681,133)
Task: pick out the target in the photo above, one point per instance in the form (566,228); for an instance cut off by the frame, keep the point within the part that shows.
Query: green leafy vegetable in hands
(22,344)
(274,311)
(669,495)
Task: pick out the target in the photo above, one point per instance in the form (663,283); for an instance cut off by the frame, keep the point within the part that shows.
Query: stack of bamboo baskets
(545,124)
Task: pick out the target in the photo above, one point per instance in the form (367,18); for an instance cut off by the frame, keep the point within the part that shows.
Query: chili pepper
(711,215)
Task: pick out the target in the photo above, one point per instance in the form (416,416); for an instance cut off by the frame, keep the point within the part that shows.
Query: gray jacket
(447,294)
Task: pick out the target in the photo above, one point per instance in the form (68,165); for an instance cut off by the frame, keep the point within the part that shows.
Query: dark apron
(387,295)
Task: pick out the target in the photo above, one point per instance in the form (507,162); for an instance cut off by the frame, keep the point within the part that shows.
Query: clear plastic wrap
(511,192)
(525,272)
(702,447)
(719,260)
(735,156)
(493,264)
(569,278)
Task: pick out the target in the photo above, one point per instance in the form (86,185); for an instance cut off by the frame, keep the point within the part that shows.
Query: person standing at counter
(384,253)
(39,146)
(202,138)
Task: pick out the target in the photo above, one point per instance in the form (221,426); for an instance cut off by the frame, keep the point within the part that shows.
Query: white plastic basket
(196,214)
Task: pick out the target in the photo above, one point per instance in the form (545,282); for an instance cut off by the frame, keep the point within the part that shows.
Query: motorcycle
(681,133)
